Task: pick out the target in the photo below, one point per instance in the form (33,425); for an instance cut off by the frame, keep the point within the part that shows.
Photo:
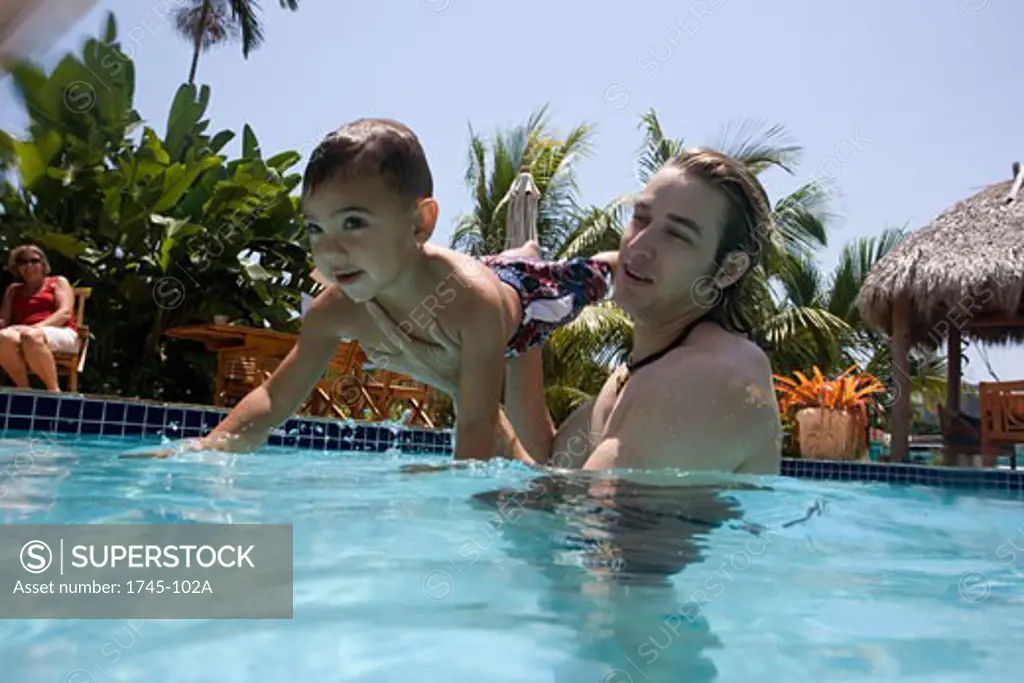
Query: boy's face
(669,246)
(362,234)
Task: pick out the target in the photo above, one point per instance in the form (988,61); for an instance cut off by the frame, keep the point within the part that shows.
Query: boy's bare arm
(247,426)
(481,371)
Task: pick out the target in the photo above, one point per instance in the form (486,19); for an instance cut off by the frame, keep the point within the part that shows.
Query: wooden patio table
(230,342)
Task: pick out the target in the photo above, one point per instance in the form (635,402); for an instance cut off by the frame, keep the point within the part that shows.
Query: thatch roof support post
(954,375)
(899,415)
(954,380)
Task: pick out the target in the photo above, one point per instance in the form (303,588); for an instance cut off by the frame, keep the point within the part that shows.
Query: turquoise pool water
(417,577)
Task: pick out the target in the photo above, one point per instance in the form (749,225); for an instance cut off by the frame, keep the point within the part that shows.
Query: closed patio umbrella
(521,224)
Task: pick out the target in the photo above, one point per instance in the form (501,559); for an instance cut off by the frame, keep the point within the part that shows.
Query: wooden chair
(71,364)
(963,436)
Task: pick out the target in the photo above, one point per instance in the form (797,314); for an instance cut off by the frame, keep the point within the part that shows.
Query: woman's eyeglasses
(28,262)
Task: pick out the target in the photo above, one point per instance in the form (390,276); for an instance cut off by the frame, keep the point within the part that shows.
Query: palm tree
(207,23)
(565,228)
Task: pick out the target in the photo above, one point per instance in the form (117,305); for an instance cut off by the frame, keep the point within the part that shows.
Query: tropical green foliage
(578,357)
(805,317)
(162,225)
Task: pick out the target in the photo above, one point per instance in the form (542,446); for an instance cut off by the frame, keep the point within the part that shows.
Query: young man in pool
(369,210)
(697,393)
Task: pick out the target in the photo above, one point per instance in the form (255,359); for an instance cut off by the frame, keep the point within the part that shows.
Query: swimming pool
(422,577)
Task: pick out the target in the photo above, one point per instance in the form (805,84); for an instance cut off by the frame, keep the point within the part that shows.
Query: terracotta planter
(825,434)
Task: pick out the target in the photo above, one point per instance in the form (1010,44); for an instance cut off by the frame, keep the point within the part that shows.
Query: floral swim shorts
(552,293)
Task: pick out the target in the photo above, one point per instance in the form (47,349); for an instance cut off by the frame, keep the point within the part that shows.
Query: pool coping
(91,415)
(30,411)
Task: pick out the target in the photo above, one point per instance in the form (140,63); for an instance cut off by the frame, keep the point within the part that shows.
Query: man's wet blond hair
(747,225)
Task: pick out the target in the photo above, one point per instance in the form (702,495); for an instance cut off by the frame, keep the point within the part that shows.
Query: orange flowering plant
(847,392)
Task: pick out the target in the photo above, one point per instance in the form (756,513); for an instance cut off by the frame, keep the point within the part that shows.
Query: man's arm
(248,424)
(713,415)
(526,405)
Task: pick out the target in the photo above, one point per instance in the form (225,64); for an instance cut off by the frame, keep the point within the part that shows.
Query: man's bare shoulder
(709,406)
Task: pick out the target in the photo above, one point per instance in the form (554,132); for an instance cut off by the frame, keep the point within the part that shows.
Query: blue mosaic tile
(21,405)
(46,406)
(18,423)
(175,417)
(68,414)
(70,408)
(114,412)
(112,428)
(92,411)
(135,415)
(156,416)
(906,474)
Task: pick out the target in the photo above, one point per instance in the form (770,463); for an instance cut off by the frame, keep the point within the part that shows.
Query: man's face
(668,246)
(362,235)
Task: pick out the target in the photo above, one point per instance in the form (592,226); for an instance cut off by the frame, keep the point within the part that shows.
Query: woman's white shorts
(61,339)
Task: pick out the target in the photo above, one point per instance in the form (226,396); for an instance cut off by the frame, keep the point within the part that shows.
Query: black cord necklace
(632,366)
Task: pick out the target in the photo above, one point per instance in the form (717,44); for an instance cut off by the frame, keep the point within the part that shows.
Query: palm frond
(855,261)
(759,146)
(595,230)
(656,149)
(601,334)
(244,13)
(799,220)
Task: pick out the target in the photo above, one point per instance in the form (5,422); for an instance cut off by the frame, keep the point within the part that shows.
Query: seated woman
(35,319)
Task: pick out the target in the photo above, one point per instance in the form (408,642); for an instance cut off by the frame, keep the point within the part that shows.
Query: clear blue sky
(928,89)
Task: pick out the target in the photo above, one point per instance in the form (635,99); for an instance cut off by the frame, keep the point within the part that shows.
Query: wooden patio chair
(962,436)
(240,371)
(71,364)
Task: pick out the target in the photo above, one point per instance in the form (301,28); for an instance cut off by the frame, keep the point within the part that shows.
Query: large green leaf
(180,179)
(34,156)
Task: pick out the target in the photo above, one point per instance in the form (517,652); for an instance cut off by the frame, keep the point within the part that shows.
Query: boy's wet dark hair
(379,147)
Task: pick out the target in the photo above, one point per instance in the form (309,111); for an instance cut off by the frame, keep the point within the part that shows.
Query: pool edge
(29,411)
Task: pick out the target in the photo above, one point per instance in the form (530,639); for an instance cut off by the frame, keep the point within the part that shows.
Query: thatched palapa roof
(967,263)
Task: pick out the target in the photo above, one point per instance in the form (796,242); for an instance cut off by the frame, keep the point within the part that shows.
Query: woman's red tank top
(28,310)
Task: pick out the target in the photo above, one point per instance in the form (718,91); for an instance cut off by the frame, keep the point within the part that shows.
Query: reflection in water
(627,540)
